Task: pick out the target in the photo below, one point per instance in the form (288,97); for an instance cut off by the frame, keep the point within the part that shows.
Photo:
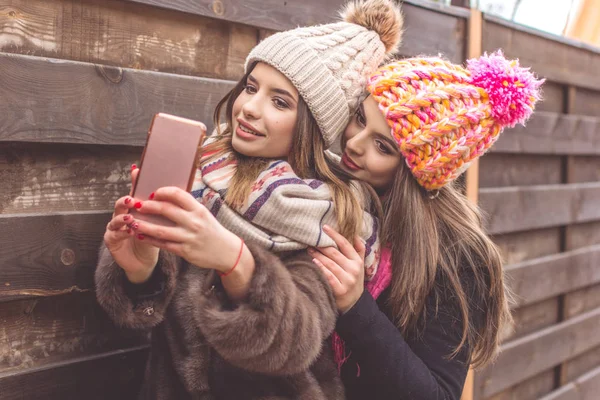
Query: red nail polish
(126,217)
(151,195)
(128,200)
(135,225)
(140,236)
(133,166)
(138,205)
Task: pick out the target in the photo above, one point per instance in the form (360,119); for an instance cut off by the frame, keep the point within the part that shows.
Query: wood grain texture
(585,387)
(127,35)
(529,389)
(113,375)
(48,178)
(528,356)
(558,60)
(516,247)
(546,277)
(582,235)
(582,300)
(578,366)
(551,133)
(38,332)
(49,100)
(500,169)
(520,208)
(44,255)
(532,317)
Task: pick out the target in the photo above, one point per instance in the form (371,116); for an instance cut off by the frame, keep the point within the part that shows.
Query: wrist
(139,277)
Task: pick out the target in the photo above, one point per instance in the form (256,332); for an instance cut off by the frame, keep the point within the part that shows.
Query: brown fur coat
(203,347)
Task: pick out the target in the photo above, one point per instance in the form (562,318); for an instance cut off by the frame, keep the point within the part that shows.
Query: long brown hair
(441,236)
(307,158)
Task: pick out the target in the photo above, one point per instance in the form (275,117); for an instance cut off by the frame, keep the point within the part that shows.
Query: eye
(382,147)
(360,118)
(250,89)
(280,103)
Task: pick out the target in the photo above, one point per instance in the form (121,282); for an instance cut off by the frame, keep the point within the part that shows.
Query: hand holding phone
(170,158)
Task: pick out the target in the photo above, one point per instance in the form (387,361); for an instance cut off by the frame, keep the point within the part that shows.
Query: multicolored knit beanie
(443,116)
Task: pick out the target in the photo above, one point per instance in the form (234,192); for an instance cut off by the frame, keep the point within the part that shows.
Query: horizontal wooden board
(500,169)
(551,133)
(585,387)
(550,57)
(582,235)
(530,355)
(521,208)
(546,277)
(582,300)
(522,246)
(44,255)
(128,35)
(53,177)
(439,24)
(113,375)
(37,332)
(584,169)
(553,98)
(586,102)
(46,100)
(282,15)
(578,366)
(532,317)
(532,388)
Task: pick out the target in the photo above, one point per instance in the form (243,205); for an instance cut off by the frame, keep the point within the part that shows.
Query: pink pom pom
(512,90)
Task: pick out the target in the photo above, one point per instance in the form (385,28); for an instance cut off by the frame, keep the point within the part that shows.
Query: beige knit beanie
(329,64)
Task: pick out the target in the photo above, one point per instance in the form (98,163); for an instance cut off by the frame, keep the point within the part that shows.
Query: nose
(356,143)
(251,108)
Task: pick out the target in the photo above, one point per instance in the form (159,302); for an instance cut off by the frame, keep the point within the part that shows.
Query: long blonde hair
(307,158)
(442,238)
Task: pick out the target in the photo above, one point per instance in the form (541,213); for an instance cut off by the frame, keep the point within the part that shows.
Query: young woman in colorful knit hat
(236,307)
(438,302)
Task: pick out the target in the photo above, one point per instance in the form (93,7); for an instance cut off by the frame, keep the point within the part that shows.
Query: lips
(349,163)
(248,129)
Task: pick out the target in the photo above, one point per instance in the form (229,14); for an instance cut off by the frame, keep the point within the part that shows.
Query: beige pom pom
(381,16)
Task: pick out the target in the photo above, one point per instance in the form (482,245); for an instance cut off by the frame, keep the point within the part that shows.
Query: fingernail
(129,231)
(128,200)
(138,205)
(140,236)
(151,196)
(326,227)
(126,217)
(135,225)
(133,166)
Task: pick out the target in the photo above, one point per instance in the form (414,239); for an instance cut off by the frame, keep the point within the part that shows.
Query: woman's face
(370,154)
(265,114)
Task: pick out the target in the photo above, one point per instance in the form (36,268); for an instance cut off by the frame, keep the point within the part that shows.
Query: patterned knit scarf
(283,212)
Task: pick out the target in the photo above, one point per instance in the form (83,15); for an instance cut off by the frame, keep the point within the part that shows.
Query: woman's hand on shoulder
(343,268)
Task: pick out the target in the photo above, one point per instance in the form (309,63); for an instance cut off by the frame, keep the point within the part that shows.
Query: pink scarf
(375,287)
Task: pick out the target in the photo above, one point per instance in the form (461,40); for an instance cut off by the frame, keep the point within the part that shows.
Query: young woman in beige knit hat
(236,308)
(437,303)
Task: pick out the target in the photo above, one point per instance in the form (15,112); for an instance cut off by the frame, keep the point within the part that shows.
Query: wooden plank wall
(79,83)
(80,80)
(541,188)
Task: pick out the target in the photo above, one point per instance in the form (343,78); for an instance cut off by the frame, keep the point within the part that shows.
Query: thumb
(134,174)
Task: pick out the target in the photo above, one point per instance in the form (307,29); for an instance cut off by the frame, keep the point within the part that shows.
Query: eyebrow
(275,90)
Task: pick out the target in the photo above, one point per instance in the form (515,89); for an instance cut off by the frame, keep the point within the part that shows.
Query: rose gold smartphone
(170,158)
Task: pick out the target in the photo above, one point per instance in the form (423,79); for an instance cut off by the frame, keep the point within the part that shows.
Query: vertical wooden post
(474,49)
